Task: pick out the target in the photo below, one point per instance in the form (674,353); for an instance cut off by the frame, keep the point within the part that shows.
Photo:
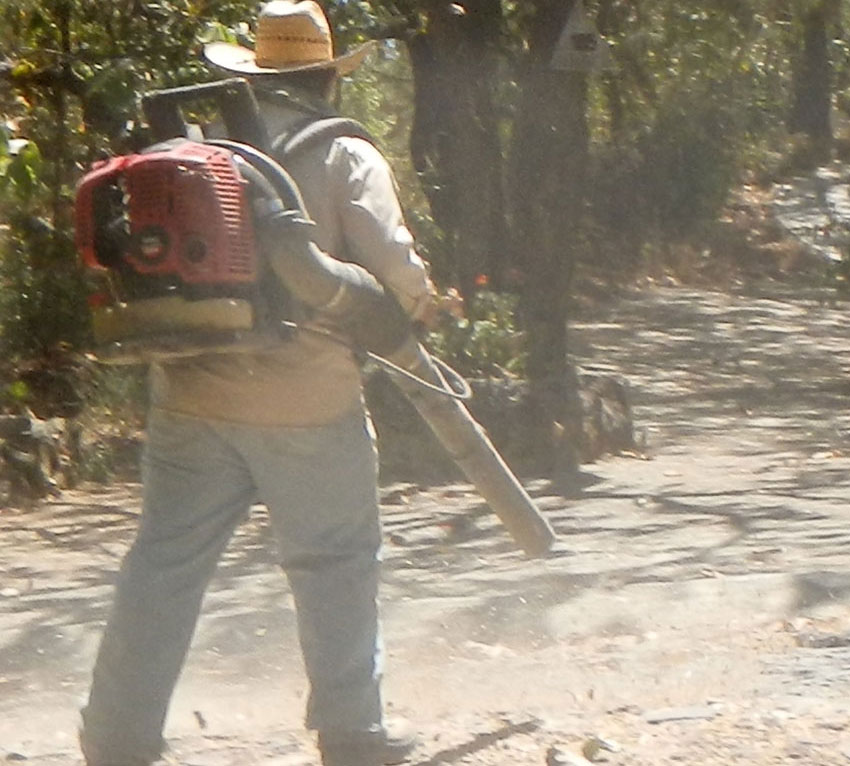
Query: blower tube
(469,446)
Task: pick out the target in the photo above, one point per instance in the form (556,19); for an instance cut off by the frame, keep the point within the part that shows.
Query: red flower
(98,300)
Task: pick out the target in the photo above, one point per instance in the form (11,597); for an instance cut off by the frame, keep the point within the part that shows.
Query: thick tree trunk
(455,138)
(455,145)
(812,76)
(549,164)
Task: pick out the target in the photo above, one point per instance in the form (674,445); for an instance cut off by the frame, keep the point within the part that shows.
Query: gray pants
(200,479)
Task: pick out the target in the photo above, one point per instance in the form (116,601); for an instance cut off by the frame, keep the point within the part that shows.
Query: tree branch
(62,77)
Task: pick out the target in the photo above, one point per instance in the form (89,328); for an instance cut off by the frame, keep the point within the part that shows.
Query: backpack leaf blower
(206,247)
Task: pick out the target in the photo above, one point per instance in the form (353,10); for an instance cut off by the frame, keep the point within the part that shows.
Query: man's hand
(433,307)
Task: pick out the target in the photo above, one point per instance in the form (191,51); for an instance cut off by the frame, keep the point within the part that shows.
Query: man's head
(291,38)
(318,83)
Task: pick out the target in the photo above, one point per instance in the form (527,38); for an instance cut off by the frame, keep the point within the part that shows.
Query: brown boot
(391,745)
(95,755)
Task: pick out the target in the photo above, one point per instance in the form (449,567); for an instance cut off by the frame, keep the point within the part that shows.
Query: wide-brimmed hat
(290,37)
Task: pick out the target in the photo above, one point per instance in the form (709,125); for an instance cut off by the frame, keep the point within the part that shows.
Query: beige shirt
(350,192)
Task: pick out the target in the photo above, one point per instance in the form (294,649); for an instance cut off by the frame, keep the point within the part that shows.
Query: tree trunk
(455,145)
(812,76)
(549,164)
(455,138)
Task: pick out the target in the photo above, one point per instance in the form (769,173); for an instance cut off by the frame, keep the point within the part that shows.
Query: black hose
(273,171)
(276,184)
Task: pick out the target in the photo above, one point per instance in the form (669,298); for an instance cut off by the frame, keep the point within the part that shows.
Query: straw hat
(291,37)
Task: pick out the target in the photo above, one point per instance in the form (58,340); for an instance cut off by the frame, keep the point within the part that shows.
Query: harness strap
(315,132)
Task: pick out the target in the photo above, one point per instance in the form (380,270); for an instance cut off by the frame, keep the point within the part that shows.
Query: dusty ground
(696,609)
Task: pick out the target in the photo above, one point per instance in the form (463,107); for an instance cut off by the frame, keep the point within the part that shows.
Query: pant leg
(196,490)
(320,485)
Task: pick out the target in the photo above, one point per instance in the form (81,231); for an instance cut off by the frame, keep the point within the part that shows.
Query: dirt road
(696,610)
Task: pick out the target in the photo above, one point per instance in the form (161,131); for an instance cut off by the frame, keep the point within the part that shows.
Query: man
(286,427)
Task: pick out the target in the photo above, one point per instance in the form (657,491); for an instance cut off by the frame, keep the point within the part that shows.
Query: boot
(94,755)
(390,745)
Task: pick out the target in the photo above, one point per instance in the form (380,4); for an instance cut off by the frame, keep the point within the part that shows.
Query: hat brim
(237,58)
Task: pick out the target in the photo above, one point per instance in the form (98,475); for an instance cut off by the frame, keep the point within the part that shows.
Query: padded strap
(316,132)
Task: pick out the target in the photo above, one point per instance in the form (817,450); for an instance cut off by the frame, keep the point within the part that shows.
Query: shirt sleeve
(372,222)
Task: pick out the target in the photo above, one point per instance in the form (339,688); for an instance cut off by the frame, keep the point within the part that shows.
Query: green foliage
(15,394)
(689,159)
(695,91)
(20,171)
(40,292)
(112,422)
(699,100)
(485,343)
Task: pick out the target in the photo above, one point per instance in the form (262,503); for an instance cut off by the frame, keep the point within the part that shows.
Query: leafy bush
(486,342)
(689,159)
(112,422)
(41,297)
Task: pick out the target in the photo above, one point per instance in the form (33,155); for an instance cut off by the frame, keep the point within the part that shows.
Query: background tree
(549,156)
(812,71)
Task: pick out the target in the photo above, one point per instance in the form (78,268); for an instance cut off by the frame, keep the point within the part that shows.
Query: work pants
(200,479)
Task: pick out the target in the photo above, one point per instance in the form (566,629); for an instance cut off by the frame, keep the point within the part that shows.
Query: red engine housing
(183,212)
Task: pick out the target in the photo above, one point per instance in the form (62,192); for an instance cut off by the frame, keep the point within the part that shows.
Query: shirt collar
(285,109)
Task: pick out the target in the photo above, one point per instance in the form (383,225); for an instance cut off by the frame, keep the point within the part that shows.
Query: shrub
(484,343)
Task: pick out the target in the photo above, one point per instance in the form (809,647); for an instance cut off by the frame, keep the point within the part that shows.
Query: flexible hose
(274,181)
(272,170)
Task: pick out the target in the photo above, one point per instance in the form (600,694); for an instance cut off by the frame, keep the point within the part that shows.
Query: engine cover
(180,210)
(168,237)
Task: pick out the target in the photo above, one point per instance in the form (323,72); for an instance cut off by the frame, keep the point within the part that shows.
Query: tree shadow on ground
(766,374)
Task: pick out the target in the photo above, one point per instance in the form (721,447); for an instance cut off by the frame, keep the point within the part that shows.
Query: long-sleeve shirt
(350,192)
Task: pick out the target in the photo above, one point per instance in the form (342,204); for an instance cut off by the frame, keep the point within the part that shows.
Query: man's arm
(373,225)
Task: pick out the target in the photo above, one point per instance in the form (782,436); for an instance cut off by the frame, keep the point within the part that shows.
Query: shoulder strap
(315,132)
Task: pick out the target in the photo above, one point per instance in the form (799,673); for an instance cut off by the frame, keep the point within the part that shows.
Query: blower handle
(234,98)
